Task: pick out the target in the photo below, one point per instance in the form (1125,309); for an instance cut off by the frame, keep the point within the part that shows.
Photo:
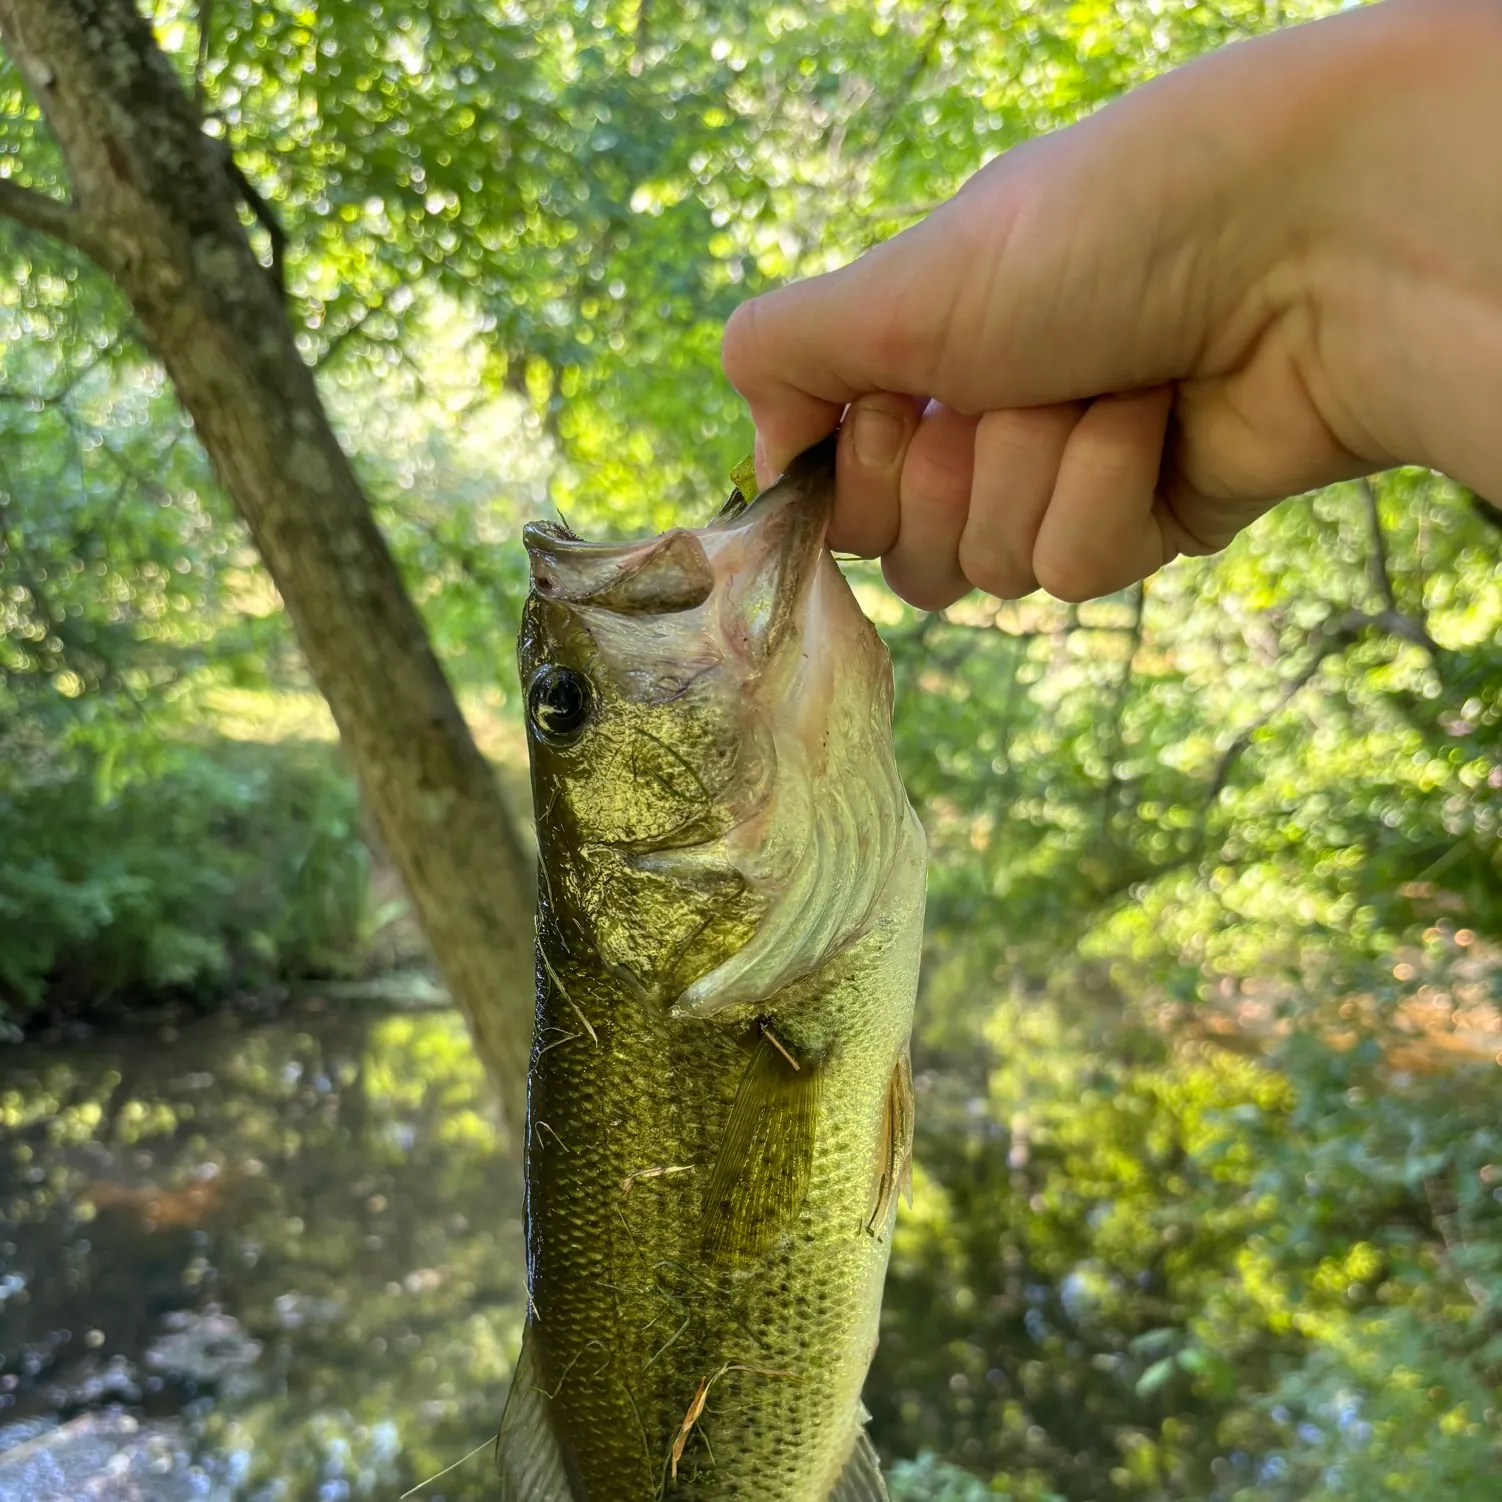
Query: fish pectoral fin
(526,1450)
(893,1173)
(761,1175)
(860,1481)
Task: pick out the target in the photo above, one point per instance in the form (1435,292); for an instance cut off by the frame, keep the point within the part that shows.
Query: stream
(254,1259)
(270,1258)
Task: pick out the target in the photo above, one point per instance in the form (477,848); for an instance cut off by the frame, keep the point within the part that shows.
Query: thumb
(801,354)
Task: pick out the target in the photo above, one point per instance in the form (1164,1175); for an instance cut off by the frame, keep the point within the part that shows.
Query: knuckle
(927,489)
(740,345)
(1008,433)
(995,570)
(1064,581)
(936,475)
(1020,431)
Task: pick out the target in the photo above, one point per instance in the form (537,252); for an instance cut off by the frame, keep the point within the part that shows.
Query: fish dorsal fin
(760,1177)
(860,1481)
(526,1449)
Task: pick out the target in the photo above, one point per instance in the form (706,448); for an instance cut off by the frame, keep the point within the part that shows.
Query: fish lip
(813,466)
(798,502)
(651,575)
(550,537)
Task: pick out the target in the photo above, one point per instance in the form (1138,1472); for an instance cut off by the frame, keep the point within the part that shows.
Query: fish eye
(559,701)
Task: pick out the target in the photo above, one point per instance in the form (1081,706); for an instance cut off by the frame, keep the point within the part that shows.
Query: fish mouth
(806,815)
(761,553)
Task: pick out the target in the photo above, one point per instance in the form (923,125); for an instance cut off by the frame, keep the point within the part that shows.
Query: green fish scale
(631,1316)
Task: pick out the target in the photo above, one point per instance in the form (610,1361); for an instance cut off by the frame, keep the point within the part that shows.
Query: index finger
(801,354)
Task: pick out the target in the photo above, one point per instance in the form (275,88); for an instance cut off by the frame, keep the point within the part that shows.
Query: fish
(720,1093)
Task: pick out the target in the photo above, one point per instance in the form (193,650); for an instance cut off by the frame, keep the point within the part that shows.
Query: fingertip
(874,438)
(738,346)
(923,564)
(1070,584)
(1017,457)
(1101,531)
(764,363)
(921,590)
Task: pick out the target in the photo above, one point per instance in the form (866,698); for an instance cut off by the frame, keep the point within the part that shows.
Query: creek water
(289,1247)
(269,1258)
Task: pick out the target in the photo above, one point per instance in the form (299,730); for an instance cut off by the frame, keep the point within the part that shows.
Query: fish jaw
(821,849)
(792,801)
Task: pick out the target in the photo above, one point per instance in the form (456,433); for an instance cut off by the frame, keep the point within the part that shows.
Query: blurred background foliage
(1209,1180)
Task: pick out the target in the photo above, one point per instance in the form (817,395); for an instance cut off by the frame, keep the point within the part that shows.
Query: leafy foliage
(1199,1275)
(231,863)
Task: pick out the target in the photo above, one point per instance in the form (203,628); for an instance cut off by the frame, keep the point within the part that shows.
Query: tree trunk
(155,207)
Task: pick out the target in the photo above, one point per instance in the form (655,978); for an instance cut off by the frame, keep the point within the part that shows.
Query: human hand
(1275,268)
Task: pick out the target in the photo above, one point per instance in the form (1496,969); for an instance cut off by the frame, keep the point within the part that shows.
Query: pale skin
(1276,268)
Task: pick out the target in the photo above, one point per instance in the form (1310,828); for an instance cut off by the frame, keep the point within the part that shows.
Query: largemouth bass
(720,1100)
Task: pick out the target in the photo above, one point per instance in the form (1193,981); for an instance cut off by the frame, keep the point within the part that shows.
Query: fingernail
(876,437)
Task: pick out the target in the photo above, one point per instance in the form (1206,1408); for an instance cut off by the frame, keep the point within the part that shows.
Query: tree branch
(41,212)
(1326,641)
(1112,790)
(1444,1210)
(164,223)
(915,70)
(1333,636)
(75,378)
(354,328)
(60,649)
(1381,574)
(263,213)
(1391,617)
(201,60)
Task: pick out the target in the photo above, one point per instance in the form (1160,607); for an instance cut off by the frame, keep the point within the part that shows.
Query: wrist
(1400,263)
